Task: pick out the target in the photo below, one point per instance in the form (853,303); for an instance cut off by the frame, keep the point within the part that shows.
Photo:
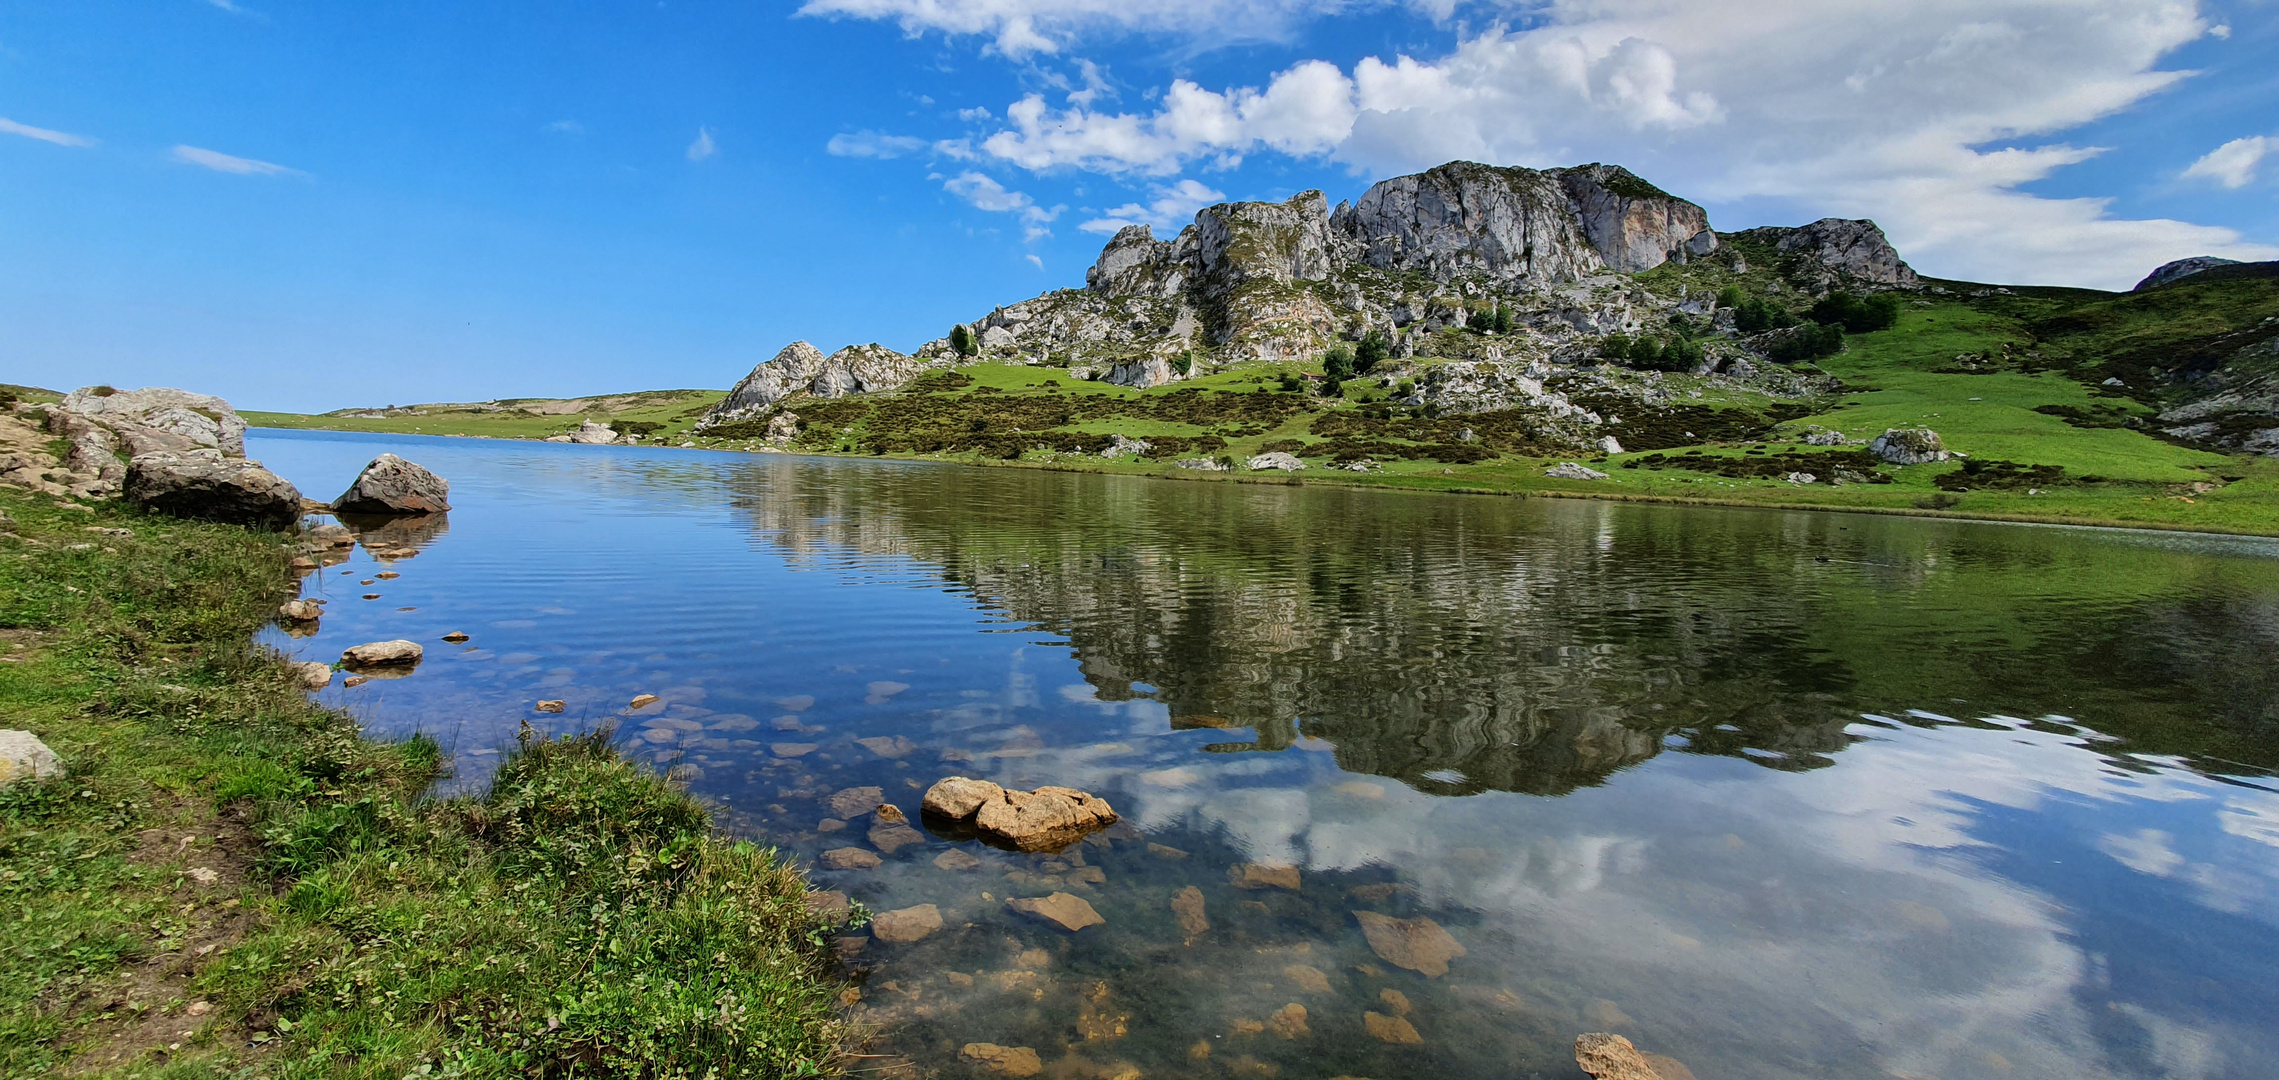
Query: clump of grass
(220,839)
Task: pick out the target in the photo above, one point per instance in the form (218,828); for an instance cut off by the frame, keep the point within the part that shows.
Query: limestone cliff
(802,367)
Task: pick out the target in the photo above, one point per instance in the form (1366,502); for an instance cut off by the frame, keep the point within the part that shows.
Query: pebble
(643,701)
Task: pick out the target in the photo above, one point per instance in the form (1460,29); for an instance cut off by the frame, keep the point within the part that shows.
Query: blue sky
(310,206)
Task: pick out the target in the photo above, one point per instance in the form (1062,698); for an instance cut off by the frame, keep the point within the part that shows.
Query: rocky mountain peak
(1839,251)
(2181,268)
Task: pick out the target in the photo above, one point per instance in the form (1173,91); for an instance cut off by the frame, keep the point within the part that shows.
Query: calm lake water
(1774,794)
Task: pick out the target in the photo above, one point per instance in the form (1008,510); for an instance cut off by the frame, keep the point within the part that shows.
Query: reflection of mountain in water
(1462,644)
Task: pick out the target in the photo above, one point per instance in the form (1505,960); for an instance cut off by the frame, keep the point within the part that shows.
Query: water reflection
(1836,796)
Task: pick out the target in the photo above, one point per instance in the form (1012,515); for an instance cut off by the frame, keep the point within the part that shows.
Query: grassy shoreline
(232,880)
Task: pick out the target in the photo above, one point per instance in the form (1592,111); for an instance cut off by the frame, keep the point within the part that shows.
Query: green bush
(1373,350)
(1730,296)
(961,340)
(1812,342)
(1755,315)
(1857,315)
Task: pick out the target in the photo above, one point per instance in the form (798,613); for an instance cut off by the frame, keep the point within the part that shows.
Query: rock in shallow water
(1390,1029)
(382,654)
(850,858)
(313,675)
(1047,819)
(1004,1060)
(1418,944)
(1263,876)
(1611,1057)
(391,485)
(908,924)
(1070,913)
(1187,904)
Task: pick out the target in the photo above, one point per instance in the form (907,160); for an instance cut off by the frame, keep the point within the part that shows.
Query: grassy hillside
(2048,392)
(655,414)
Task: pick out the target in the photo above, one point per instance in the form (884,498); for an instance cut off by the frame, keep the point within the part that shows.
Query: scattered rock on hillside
(1070,913)
(1203,464)
(1278,459)
(1910,446)
(202,483)
(377,654)
(1120,445)
(24,757)
(2181,268)
(160,418)
(593,434)
(1572,471)
(1047,819)
(391,485)
(856,369)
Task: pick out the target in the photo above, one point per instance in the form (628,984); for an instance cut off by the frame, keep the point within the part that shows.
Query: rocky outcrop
(1047,819)
(1910,446)
(380,654)
(24,757)
(802,368)
(391,485)
(2180,269)
(587,433)
(160,418)
(1523,225)
(1568,470)
(1836,252)
(201,483)
(1276,459)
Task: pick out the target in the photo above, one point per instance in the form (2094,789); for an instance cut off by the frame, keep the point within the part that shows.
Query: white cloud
(230,163)
(567,127)
(2233,164)
(703,147)
(1036,262)
(872,144)
(59,138)
(1927,115)
(1022,27)
(987,194)
(978,112)
(1173,205)
(228,6)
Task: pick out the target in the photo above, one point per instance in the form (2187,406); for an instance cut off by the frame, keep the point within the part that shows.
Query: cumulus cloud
(703,147)
(2233,164)
(873,144)
(985,193)
(60,138)
(1928,115)
(230,163)
(1173,205)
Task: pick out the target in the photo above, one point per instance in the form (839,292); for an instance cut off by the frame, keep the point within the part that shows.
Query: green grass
(580,918)
(673,410)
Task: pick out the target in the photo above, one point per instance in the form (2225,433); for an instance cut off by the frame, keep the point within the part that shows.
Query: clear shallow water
(1774,794)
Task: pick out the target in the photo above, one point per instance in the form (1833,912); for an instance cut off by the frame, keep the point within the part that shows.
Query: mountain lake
(1410,785)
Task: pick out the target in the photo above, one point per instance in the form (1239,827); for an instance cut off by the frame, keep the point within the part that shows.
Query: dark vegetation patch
(1664,427)
(1981,475)
(1855,466)
(1001,425)
(2094,415)
(1383,433)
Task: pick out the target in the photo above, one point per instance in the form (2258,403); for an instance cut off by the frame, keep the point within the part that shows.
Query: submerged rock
(907,925)
(1187,904)
(1418,944)
(1004,1060)
(24,757)
(1070,913)
(856,801)
(1392,1029)
(1263,876)
(850,858)
(1611,1057)
(1289,1021)
(391,485)
(954,859)
(201,483)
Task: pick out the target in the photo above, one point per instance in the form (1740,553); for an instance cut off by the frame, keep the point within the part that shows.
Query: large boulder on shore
(391,485)
(1910,446)
(203,484)
(160,418)
(1047,819)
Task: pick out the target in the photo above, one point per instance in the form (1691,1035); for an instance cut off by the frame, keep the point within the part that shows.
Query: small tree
(961,340)
(1374,350)
(1730,296)
(1337,366)
(1183,363)
(1501,321)
(1480,319)
(1615,347)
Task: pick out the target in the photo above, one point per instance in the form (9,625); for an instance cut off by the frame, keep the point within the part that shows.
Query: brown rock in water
(456,637)
(313,675)
(1390,1029)
(907,925)
(1263,876)
(551,705)
(1070,913)
(382,654)
(1668,1068)
(1004,1060)
(1606,1014)
(850,858)
(892,837)
(1611,1057)
(1418,944)
(1395,1001)
(793,749)
(1309,978)
(888,746)
(1289,1021)
(301,611)
(1165,851)
(959,797)
(891,814)
(1246,1027)
(954,859)
(1188,905)
(857,801)
(355,680)
(642,701)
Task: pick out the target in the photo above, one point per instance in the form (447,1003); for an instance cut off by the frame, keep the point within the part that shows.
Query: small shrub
(1855,314)
(1755,315)
(1730,296)
(1811,343)
(1182,363)
(1372,351)
(961,340)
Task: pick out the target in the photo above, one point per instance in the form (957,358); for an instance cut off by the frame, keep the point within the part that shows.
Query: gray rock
(1203,464)
(1569,470)
(800,367)
(24,757)
(1909,446)
(2181,268)
(382,654)
(203,484)
(313,675)
(1837,251)
(1516,224)
(1120,445)
(592,434)
(1276,460)
(783,428)
(161,418)
(391,485)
